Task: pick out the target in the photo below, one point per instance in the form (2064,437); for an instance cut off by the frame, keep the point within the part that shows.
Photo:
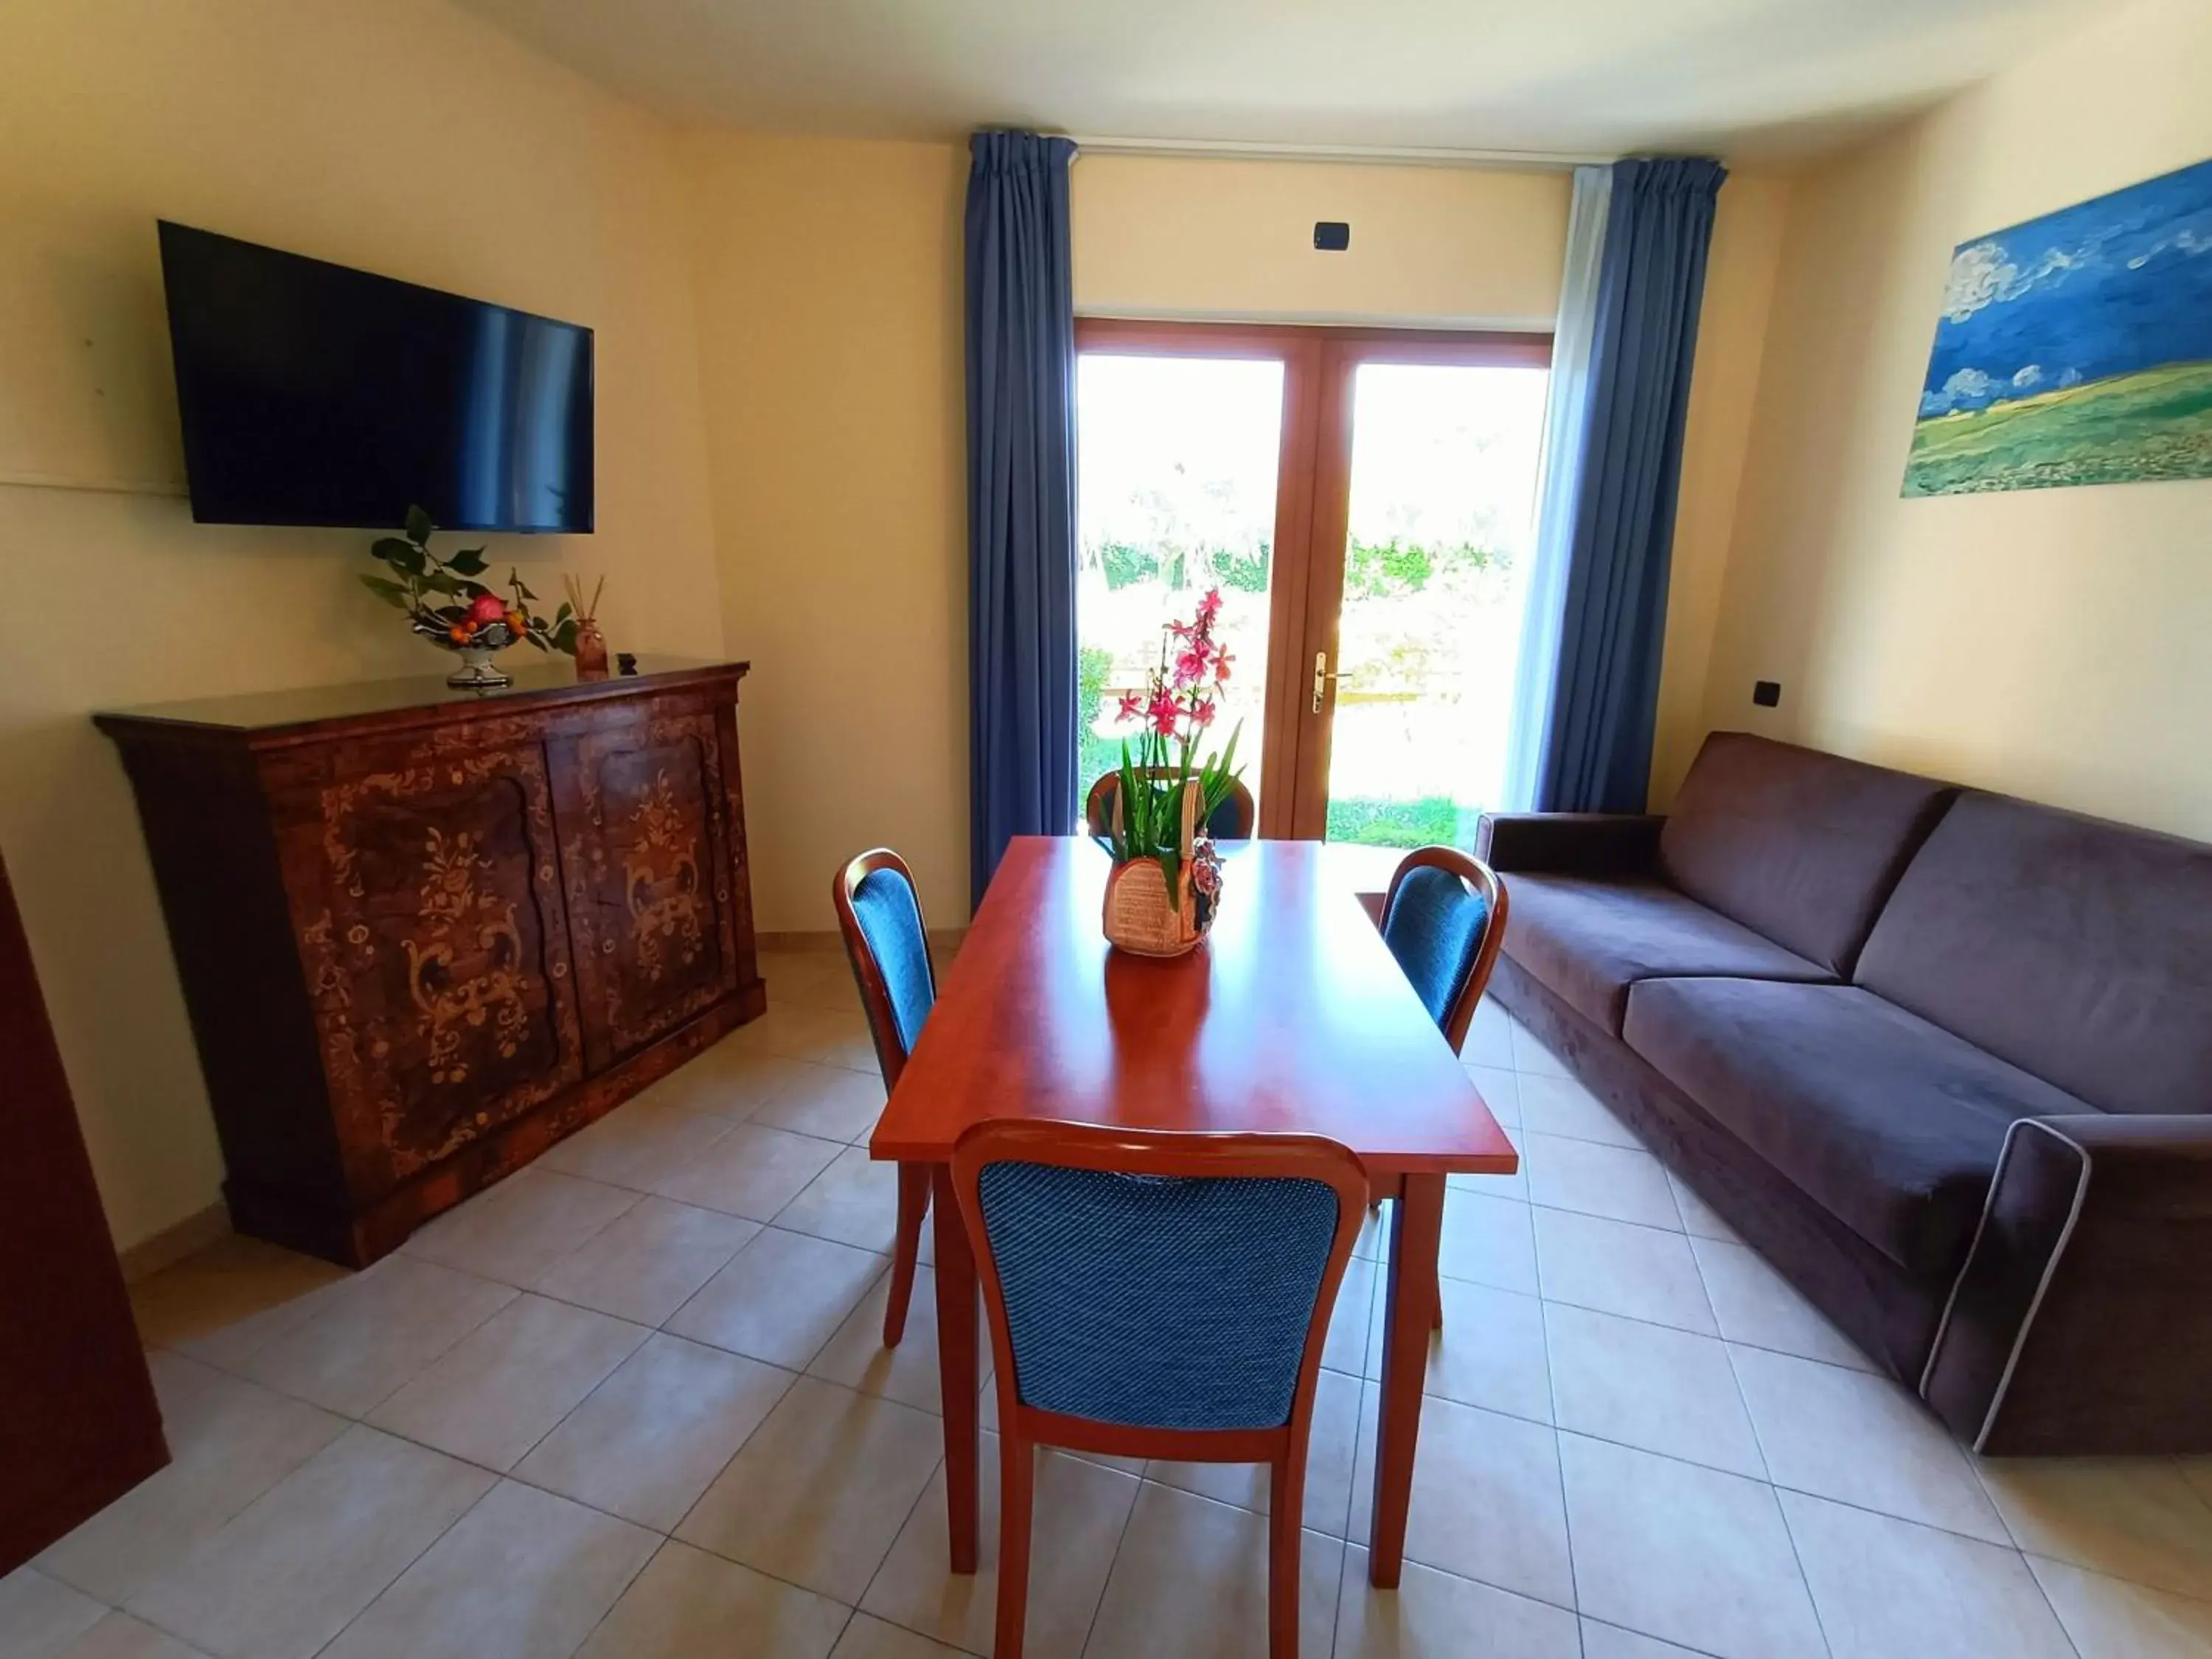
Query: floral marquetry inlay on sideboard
(423,934)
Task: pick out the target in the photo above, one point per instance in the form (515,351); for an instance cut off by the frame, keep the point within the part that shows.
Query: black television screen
(313,394)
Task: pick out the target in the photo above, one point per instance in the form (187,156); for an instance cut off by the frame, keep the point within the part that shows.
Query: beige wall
(2049,642)
(828,284)
(1739,273)
(1174,236)
(398,135)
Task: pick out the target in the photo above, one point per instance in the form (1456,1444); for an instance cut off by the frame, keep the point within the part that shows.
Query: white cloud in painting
(2030,375)
(1982,273)
(1967,386)
(2187,242)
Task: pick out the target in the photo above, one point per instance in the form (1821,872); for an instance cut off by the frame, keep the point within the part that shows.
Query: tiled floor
(632,1403)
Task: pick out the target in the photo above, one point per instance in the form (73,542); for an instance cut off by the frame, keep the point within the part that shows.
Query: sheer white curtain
(1559,484)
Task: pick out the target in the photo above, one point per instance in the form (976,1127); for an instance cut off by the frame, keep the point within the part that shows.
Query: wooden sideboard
(424,934)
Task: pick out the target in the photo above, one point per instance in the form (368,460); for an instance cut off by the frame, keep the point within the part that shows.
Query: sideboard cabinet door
(639,799)
(426,891)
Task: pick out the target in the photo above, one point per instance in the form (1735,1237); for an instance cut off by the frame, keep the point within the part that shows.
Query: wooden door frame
(1313,481)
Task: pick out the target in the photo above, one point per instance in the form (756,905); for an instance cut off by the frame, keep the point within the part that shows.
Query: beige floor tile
(1889,1589)
(1192,1578)
(1650,1386)
(648,1261)
(654,1435)
(1486,1502)
(229,1442)
(1433,1615)
(518,1229)
(1331,1455)
(752,1171)
(291,1571)
(1690,1555)
(1613,1267)
(1490,1352)
(856,1356)
(2132,1518)
(842,1038)
(524,1575)
(636,1145)
(1500,1089)
(1078,1513)
(835,1104)
(374,1332)
(40,1616)
(1700,1219)
(2197,1472)
(1561,1106)
(1372,1242)
(687,1603)
(2110,1619)
(1487,1241)
(1345,1345)
(499,1390)
(1602,1641)
(1514,1186)
(872,1638)
(1620,1183)
(1532,1058)
(227,1301)
(781,1299)
(732,1080)
(1863,1440)
(1759,1308)
(118,1635)
(821,1489)
(1489,1037)
(854,1201)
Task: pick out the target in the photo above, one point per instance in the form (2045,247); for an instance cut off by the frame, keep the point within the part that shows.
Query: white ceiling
(1743,77)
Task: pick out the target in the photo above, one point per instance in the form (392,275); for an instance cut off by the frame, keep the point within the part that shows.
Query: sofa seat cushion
(1588,939)
(1890,1124)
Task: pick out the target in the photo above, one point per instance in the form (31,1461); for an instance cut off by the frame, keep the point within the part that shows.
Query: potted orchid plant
(1167,876)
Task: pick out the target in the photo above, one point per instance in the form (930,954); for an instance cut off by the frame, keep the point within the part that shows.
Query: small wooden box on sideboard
(424,932)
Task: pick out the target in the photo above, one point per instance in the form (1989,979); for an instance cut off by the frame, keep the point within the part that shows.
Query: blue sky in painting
(2106,287)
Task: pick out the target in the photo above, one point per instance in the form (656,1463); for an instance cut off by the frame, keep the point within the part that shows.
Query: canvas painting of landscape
(2075,349)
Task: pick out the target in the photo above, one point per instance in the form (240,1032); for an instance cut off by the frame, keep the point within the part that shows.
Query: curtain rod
(1526,160)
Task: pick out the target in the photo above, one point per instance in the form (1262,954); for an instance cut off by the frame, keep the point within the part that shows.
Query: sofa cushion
(2078,950)
(1890,1124)
(1590,940)
(1795,844)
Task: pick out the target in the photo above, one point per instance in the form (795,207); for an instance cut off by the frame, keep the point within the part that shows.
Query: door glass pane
(1175,494)
(1444,485)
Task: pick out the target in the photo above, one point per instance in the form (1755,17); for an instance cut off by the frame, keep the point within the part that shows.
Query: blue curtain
(1021,496)
(1605,691)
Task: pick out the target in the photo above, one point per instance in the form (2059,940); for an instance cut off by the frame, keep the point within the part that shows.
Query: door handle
(1322,678)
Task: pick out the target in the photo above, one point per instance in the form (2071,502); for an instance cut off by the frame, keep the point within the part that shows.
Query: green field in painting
(2156,424)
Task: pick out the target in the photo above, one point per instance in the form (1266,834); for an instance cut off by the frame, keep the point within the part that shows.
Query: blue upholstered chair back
(890,923)
(1435,928)
(1157,1301)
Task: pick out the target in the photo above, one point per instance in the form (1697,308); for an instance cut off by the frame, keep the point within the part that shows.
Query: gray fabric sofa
(1943,1057)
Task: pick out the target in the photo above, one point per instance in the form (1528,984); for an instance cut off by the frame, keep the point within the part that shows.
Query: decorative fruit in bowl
(447,606)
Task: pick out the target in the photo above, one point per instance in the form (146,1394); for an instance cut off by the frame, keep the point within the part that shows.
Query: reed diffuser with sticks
(591,648)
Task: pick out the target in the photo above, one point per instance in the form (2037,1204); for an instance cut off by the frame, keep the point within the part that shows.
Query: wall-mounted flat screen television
(313,394)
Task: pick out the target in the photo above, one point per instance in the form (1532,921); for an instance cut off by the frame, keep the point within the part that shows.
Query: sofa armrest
(1570,844)
(2082,1319)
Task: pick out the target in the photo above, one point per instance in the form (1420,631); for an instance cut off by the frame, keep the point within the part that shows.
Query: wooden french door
(1315,450)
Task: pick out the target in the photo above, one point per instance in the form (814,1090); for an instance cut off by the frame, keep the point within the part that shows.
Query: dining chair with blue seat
(1233,820)
(1155,1294)
(879,915)
(1444,920)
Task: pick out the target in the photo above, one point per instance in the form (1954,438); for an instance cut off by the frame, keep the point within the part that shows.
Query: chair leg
(1286,1496)
(1017,1483)
(912,1207)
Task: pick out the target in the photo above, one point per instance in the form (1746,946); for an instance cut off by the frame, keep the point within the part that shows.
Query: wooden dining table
(1293,1017)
